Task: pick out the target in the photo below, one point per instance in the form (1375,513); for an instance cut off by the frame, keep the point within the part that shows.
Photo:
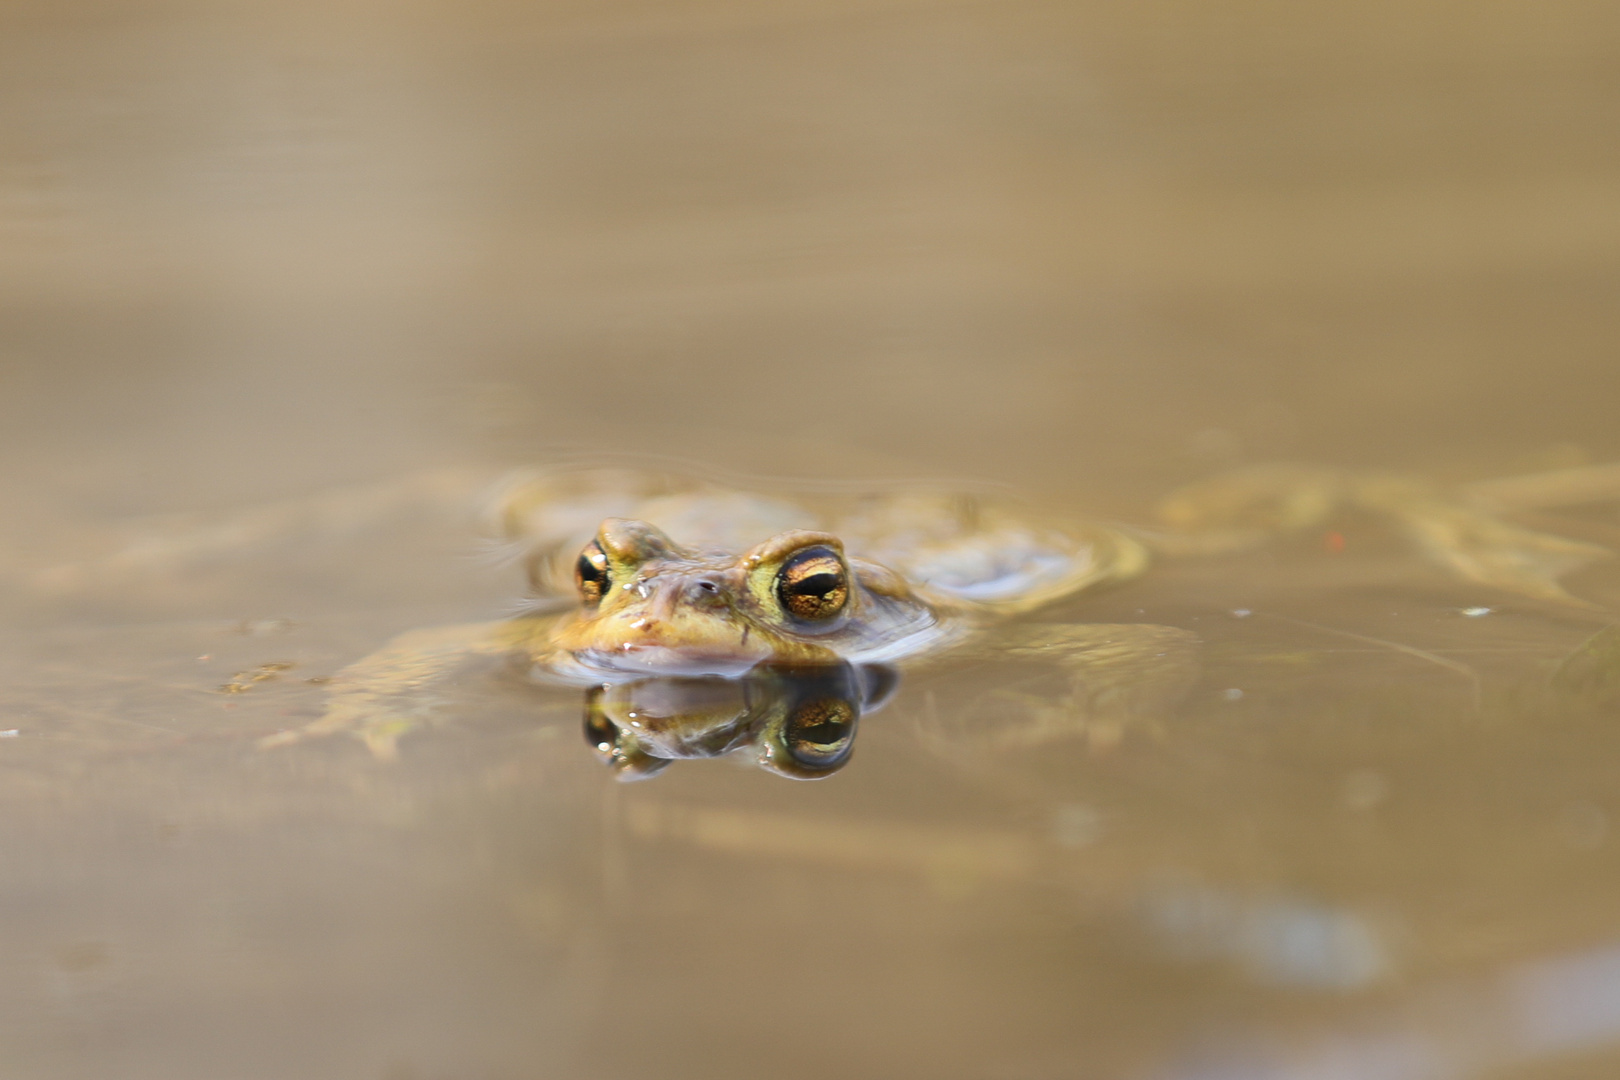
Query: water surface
(284,287)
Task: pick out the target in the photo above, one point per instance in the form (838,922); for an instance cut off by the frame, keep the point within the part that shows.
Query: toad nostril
(708,586)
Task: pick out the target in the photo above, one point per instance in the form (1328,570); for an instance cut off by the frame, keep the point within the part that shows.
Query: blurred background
(254,253)
(259,247)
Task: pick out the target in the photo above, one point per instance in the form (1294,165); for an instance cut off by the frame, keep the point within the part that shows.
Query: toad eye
(813,585)
(591,573)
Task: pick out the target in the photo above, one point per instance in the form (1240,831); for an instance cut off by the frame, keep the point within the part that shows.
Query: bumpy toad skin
(668,576)
(651,607)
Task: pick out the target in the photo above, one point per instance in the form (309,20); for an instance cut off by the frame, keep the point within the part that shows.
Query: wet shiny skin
(667,609)
(685,577)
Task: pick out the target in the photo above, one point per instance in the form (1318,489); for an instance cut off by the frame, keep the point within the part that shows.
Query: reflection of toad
(798,722)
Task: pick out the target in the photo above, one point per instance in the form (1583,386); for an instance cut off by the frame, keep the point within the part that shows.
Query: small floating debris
(10,733)
(1232,694)
(1474,612)
(1241,613)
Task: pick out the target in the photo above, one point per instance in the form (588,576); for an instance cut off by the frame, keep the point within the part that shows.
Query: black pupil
(593,574)
(815,585)
(820,732)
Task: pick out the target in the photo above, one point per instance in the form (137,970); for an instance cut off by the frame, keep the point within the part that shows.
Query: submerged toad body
(638,577)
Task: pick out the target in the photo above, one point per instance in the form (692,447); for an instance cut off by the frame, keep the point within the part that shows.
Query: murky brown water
(283,285)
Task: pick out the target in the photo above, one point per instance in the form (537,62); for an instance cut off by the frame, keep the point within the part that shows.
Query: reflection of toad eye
(600,732)
(624,756)
(820,732)
(591,572)
(813,584)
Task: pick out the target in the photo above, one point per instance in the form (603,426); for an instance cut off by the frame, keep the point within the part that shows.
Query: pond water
(284,288)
